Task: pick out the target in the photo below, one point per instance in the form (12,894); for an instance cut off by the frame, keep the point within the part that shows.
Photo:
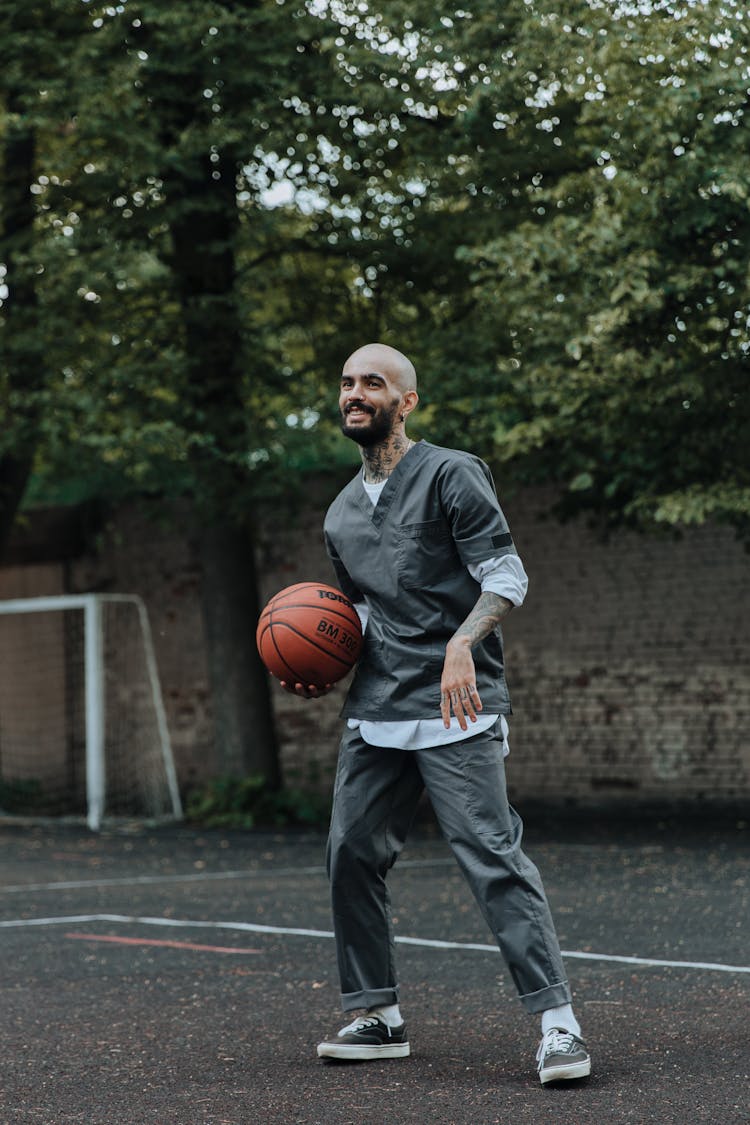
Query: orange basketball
(309,633)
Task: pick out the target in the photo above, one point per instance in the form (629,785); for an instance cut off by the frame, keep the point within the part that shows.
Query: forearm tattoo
(484,617)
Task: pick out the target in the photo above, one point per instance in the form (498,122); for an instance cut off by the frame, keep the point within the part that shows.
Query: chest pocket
(424,553)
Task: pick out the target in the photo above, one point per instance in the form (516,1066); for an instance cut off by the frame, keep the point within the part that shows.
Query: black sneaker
(368,1037)
(562,1056)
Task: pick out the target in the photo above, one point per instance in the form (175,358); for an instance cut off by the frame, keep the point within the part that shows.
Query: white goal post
(109,665)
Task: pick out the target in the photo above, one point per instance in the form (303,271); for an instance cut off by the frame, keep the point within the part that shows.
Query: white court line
(425,943)
(150,880)
(197,877)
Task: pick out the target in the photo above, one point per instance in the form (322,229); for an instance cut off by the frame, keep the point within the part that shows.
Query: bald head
(387,361)
(378,392)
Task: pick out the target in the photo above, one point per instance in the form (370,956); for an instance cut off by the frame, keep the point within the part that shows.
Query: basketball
(309,633)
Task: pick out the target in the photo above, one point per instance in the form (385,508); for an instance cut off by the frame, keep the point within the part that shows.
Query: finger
(304,691)
(467,703)
(445,709)
(458,710)
(474,696)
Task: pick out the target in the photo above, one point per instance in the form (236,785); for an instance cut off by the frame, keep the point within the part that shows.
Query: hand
(309,691)
(458,689)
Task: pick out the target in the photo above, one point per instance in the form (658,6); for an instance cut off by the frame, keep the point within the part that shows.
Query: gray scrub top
(407,558)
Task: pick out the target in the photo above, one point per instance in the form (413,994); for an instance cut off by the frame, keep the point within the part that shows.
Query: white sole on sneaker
(353,1052)
(566,1072)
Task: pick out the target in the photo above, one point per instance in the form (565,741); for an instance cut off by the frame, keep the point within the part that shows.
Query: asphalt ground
(184,977)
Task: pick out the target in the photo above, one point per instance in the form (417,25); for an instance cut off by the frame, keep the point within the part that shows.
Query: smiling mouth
(358,411)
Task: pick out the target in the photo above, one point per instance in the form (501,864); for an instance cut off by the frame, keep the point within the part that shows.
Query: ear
(408,403)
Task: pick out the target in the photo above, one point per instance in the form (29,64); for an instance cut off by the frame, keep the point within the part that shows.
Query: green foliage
(544,203)
(628,299)
(247,802)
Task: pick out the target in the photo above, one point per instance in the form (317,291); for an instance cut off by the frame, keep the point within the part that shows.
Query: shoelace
(359,1024)
(556,1042)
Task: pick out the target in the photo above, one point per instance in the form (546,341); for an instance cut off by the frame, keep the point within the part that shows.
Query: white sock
(560,1017)
(389,1014)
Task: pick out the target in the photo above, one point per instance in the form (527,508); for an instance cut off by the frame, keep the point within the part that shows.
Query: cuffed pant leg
(375,797)
(466,784)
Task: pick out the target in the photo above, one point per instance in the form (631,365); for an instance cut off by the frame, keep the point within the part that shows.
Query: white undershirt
(503,575)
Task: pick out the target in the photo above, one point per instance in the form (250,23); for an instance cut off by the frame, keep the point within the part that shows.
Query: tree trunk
(246,739)
(21,359)
(200,185)
(203,264)
(14,476)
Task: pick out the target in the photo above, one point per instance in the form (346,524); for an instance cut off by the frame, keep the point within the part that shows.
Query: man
(420,545)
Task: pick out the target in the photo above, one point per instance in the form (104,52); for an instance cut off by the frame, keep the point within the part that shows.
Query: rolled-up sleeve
(504,576)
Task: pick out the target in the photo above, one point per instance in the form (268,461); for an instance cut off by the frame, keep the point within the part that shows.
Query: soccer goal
(83,729)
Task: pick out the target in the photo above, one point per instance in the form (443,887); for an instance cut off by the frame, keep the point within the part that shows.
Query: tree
(628,302)
(543,203)
(32,72)
(170,116)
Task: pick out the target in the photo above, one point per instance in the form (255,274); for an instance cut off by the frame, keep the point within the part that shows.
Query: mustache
(358,406)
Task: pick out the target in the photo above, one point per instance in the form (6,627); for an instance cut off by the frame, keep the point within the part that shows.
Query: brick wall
(629,665)
(140,553)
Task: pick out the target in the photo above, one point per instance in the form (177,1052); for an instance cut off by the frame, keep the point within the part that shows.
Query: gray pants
(375,798)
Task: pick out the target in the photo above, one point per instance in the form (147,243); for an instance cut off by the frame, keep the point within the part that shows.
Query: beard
(378,429)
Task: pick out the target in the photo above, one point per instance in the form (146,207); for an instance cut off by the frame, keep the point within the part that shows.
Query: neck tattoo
(380,460)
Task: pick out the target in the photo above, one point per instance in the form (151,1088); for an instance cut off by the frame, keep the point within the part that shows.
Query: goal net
(83,730)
